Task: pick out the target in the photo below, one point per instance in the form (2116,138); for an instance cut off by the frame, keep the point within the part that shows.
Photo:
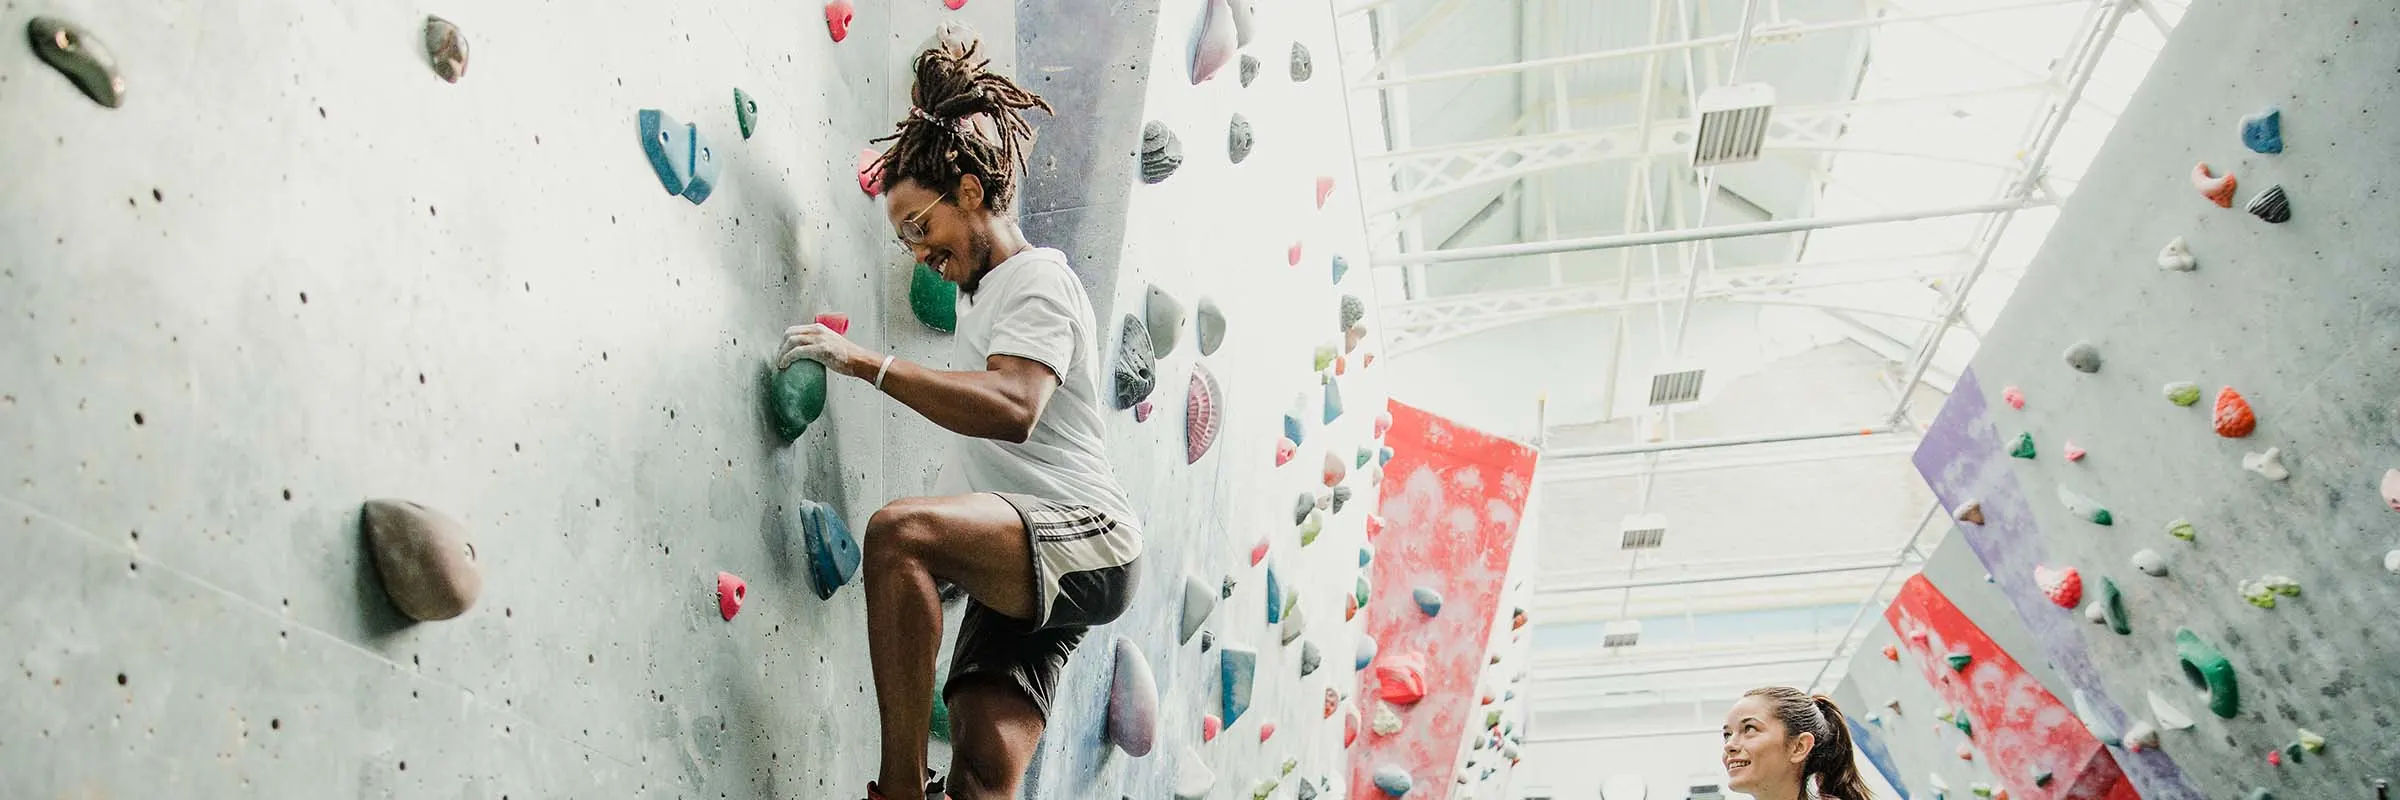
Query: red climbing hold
(1258,552)
(1216,41)
(1324,189)
(2234,419)
(1891,652)
(2074,453)
(1487,698)
(1210,726)
(1266,731)
(955,4)
(1374,526)
(837,321)
(2064,585)
(1284,450)
(870,175)
(1333,701)
(1400,679)
(837,18)
(1349,729)
(2275,758)
(1294,257)
(730,591)
(1383,424)
(2218,190)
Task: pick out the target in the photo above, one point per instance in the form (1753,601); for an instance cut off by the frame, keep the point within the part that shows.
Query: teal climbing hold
(1393,781)
(1385,457)
(1959,661)
(933,299)
(1237,668)
(941,718)
(1429,601)
(2263,132)
(796,397)
(1366,553)
(2023,447)
(1365,454)
(2208,670)
(1274,595)
(664,141)
(1366,653)
(2112,606)
(1341,267)
(1333,400)
(707,164)
(832,552)
(745,111)
(1360,593)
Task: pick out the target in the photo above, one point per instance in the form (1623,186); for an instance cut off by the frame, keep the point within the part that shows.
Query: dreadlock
(965,120)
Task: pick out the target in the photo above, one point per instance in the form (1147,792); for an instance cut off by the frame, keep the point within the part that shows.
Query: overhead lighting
(1733,124)
(1621,633)
(1643,531)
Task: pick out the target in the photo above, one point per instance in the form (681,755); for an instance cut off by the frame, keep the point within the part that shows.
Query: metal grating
(1622,633)
(1643,531)
(1733,124)
(1669,388)
(1705,791)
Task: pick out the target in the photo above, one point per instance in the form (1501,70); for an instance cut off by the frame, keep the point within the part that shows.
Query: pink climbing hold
(2391,488)
(1383,424)
(1335,470)
(870,172)
(1400,679)
(730,592)
(837,18)
(2218,189)
(1284,450)
(1266,731)
(2275,758)
(2014,397)
(2064,586)
(2074,453)
(1210,726)
(955,4)
(1349,728)
(1216,42)
(836,321)
(1199,414)
(1141,411)
(1324,189)
(1258,552)
(1294,257)
(1374,526)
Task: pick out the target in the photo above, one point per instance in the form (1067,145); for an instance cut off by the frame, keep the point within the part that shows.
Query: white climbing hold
(1192,778)
(2150,562)
(1199,600)
(2141,737)
(2177,256)
(2169,716)
(1386,722)
(2083,357)
(2095,612)
(2100,727)
(2268,465)
(2391,561)
(2391,488)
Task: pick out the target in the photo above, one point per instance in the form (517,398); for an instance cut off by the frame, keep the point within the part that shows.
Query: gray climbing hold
(1165,319)
(1209,323)
(2270,205)
(1198,602)
(2263,132)
(2083,357)
(447,47)
(1305,791)
(2177,256)
(1393,781)
(72,51)
(2170,716)
(1238,138)
(1341,497)
(832,552)
(2085,508)
(1293,622)
(426,564)
(1132,702)
(1300,507)
(1310,658)
(1136,367)
(1250,67)
(2150,562)
(1208,641)
(1162,152)
(1302,65)
(1353,310)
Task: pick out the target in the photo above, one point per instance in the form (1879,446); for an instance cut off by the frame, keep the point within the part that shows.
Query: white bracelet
(879,371)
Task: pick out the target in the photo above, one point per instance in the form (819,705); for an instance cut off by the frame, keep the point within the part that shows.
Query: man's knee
(901,531)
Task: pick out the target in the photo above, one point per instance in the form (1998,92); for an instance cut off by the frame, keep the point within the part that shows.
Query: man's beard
(979,253)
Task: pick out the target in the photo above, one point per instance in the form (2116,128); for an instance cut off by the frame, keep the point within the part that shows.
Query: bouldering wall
(1452,500)
(2203,441)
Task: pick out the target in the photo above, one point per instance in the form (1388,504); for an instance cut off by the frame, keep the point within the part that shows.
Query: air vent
(1669,388)
(1705,791)
(1644,531)
(1733,124)
(1622,633)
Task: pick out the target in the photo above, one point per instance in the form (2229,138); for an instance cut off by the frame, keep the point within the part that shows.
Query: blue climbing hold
(1366,653)
(1384,458)
(1341,267)
(1508,695)
(1366,553)
(1291,427)
(1238,667)
(671,156)
(1274,596)
(832,551)
(1428,601)
(706,166)
(2263,132)
(1333,400)
(1393,780)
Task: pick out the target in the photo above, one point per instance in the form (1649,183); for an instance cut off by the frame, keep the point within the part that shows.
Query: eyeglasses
(912,229)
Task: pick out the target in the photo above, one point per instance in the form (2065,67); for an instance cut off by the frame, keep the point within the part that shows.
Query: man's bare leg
(996,728)
(977,541)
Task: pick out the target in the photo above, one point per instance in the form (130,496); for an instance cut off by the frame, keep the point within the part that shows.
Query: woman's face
(1758,755)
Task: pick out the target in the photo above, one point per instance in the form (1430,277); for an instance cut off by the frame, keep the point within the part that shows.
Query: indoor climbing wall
(2172,450)
(1453,497)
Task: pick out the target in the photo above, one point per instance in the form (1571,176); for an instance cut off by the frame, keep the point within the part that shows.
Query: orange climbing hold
(2234,419)
(837,18)
(2218,189)
(1891,652)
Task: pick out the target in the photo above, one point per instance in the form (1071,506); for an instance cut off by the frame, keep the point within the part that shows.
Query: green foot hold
(941,718)
(796,397)
(2041,778)
(1959,661)
(2207,669)
(2024,446)
(2112,604)
(2183,393)
(745,111)
(933,299)
(2182,529)
(2086,508)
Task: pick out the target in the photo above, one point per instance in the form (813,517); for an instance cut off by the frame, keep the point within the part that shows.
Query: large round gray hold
(1136,367)
(1209,322)
(1237,138)
(427,565)
(1161,152)
(1353,310)
(1165,320)
(1302,67)
(2084,357)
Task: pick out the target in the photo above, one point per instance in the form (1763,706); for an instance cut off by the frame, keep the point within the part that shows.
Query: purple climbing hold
(1132,702)
(423,556)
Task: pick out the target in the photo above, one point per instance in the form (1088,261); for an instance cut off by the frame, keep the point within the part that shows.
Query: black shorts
(1084,565)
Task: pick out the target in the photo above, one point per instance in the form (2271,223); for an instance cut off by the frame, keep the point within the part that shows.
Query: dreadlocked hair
(966,120)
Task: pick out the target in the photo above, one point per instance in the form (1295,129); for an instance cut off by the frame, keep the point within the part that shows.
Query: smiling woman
(1777,738)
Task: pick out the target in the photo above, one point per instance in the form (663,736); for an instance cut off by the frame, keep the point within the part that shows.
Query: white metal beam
(1699,234)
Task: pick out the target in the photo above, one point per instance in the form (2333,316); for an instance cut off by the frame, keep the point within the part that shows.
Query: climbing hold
(1333,405)
(1400,680)
(837,18)
(1213,44)
(1237,668)
(1311,526)
(1945,714)
(2270,205)
(1366,454)
(1198,602)
(1284,450)
(1162,152)
(1891,652)
(745,111)
(1266,730)
(2112,607)
(1164,317)
(1141,411)
(2268,465)
(1384,457)
(2182,393)
(2083,357)
(1325,190)
(1208,641)
(1324,357)
(1291,419)
(730,593)
(2391,488)
(1200,404)
(2293,753)
(1305,791)
(1341,497)
(835,321)
(664,140)
(1966,752)
(1366,653)
(443,43)
(1210,726)
(1341,267)
(1971,514)
(1374,526)
(2093,613)
(2177,256)
(1356,333)
(1132,702)
(1274,588)
(1349,728)
(706,166)
(1302,65)
(933,299)
(2263,132)
(1238,140)
(1393,780)
(423,556)
(2141,736)
(72,51)
(2281,585)
(954,5)
(1353,310)
(2073,453)
(1366,554)
(832,552)
(2100,727)
(1291,606)
(1249,69)
(2218,190)
(2207,669)
(1959,661)
(1964,723)
(2085,508)
(1301,506)
(1209,323)
(2182,529)
(2257,593)
(2233,418)
(2063,585)
(1310,658)
(1335,470)
(1136,368)
(2014,397)
(1258,553)
(939,724)
(1192,778)
(1386,722)
(2169,716)
(1428,601)
(2150,562)
(2023,447)
(2310,741)
(796,397)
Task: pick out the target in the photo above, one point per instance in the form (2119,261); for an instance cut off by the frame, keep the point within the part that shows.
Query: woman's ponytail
(1832,762)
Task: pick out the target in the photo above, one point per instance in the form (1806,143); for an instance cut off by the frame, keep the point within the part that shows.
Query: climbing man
(1030,521)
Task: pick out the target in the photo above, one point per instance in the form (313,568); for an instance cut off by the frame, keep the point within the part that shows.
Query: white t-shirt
(1032,306)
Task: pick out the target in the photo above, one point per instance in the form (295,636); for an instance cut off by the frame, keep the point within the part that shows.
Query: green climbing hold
(2024,446)
(2257,593)
(2260,794)
(2292,752)
(2183,393)
(1361,592)
(2207,669)
(2041,777)
(1364,455)
(941,717)
(2085,508)
(1324,356)
(1965,724)
(1959,661)
(1491,719)
(796,397)
(2112,606)
(934,299)
(1289,764)
(1311,526)
(2311,742)
(745,111)
(2182,529)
